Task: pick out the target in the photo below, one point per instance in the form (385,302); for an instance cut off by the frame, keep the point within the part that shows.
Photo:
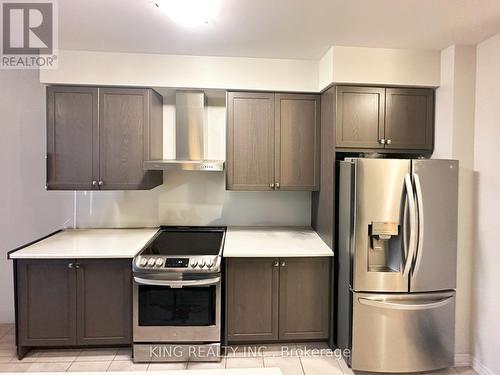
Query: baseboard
(463,360)
(480,368)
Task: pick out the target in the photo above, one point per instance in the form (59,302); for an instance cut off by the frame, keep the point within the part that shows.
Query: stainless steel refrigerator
(397,249)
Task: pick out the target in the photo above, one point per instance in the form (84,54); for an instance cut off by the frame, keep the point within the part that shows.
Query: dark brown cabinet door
(72,131)
(304,298)
(409,118)
(360,117)
(99,138)
(252,299)
(46,303)
(297,141)
(124,139)
(104,312)
(250,141)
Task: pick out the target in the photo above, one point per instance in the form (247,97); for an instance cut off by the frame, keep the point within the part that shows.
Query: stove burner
(185,242)
(182,249)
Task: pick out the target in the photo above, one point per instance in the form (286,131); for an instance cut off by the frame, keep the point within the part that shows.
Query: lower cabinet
(252,287)
(304,307)
(46,303)
(104,302)
(277,299)
(73,302)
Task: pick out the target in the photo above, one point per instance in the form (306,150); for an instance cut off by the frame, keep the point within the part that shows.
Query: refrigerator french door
(397,263)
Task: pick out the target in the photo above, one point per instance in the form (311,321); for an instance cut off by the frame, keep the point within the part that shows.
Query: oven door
(172,309)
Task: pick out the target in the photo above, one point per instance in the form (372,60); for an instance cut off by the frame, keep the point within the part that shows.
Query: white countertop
(88,243)
(274,242)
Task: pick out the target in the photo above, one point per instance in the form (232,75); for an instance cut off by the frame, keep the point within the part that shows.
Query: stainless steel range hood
(189,137)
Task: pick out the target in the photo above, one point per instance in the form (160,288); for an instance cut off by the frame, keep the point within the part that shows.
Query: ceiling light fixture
(190,12)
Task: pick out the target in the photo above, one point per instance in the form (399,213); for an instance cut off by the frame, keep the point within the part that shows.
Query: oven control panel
(152,262)
(177,262)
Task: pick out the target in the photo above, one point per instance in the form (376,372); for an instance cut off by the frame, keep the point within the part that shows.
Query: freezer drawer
(403,332)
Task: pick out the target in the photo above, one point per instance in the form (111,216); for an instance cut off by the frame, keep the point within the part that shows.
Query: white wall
(28,212)
(325,70)
(354,65)
(455,101)
(445,94)
(486,303)
(193,198)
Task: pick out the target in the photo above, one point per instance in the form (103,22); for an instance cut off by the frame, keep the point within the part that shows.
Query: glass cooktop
(184,241)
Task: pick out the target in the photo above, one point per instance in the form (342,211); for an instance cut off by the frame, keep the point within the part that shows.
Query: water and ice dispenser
(384,247)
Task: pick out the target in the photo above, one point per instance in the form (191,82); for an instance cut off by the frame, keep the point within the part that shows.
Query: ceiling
(302,29)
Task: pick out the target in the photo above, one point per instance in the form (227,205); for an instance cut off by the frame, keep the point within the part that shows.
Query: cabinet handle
(389,141)
(283,264)
(101,183)
(73,265)
(271,185)
(382,141)
(277,185)
(276,263)
(94,183)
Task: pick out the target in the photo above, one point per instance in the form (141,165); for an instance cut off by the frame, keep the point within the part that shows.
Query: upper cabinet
(360,117)
(385,118)
(409,118)
(99,138)
(272,141)
(297,125)
(72,138)
(250,141)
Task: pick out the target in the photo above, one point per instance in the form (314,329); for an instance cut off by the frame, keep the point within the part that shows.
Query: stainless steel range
(177,296)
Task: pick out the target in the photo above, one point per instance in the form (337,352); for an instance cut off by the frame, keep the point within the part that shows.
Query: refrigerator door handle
(413,229)
(420,210)
(406,305)
(405,232)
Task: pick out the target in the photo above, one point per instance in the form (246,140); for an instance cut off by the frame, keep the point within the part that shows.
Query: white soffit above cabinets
(355,65)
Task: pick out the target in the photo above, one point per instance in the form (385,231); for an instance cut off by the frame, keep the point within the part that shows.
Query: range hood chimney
(189,136)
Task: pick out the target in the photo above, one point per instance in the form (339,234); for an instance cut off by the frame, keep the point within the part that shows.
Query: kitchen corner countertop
(274,242)
(88,243)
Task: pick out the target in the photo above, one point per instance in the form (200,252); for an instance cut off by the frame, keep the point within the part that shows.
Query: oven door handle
(177,283)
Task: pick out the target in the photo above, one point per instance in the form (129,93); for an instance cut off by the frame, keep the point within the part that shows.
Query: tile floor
(297,362)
